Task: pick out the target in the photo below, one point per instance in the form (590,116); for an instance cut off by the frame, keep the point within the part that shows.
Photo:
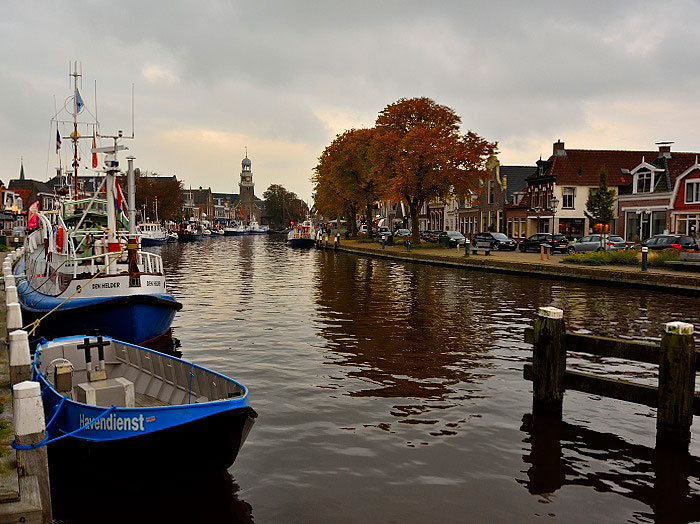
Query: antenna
(132,110)
(95,105)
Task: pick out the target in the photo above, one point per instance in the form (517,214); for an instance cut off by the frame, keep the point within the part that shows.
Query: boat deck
(146,401)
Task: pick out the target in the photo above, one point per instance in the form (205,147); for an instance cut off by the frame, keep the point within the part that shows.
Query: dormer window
(645,181)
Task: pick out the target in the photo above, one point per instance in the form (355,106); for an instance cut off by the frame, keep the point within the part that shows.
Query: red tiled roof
(582,166)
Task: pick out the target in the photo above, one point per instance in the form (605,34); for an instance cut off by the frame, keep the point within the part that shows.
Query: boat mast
(75,135)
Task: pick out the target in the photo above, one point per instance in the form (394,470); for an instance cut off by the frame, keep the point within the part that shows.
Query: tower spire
(21,168)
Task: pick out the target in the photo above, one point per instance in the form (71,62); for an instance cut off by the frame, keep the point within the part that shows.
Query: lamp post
(553,203)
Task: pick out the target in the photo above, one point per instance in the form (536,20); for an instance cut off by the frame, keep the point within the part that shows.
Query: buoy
(60,239)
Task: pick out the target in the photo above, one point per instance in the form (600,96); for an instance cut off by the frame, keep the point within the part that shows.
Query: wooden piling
(548,362)
(30,430)
(676,385)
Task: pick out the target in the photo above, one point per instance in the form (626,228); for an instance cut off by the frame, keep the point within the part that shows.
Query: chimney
(664,149)
(559,148)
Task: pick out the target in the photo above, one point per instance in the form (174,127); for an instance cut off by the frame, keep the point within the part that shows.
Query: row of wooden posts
(34,502)
(674,398)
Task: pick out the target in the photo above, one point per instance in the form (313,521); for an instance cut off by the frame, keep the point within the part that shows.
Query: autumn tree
(282,206)
(421,154)
(344,181)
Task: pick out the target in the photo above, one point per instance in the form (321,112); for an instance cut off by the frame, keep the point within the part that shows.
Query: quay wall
(680,282)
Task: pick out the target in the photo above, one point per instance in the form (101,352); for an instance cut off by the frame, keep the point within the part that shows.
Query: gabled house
(654,200)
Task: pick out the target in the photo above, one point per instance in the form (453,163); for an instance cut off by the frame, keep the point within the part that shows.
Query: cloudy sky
(282,78)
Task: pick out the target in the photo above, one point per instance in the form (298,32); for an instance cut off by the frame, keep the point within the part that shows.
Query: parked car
(559,243)
(451,238)
(402,233)
(499,241)
(363,228)
(680,242)
(430,235)
(597,243)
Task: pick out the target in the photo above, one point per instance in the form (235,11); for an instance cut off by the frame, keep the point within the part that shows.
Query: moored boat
(236,230)
(139,405)
(152,234)
(256,229)
(302,235)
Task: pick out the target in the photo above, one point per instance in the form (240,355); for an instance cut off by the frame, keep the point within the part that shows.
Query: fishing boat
(302,235)
(80,271)
(152,234)
(136,407)
(256,229)
(190,232)
(236,230)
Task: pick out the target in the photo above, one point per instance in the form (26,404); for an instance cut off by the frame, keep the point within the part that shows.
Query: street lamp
(553,203)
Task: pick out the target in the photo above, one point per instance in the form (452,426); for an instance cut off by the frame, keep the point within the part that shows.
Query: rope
(48,441)
(37,322)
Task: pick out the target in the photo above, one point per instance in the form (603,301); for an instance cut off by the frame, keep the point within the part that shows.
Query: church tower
(247,208)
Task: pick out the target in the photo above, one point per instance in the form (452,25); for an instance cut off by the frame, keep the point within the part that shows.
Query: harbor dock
(527,264)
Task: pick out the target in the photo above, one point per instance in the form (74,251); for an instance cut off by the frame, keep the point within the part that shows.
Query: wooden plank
(606,346)
(606,387)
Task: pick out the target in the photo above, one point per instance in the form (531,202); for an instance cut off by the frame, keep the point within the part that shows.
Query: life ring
(59,239)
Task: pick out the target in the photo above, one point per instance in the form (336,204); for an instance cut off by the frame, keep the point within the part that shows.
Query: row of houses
(658,191)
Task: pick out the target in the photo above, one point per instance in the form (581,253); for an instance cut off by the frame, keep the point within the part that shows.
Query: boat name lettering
(106,285)
(113,423)
(155,283)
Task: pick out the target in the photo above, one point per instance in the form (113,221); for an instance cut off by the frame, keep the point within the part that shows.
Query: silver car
(591,243)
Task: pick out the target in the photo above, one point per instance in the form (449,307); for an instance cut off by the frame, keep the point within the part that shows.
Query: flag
(94,154)
(120,199)
(242,214)
(58,141)
(79,104)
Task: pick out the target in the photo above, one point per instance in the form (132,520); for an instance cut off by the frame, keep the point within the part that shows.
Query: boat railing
(150,262)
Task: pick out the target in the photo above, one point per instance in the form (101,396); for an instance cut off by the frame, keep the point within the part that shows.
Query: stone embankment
(530,264)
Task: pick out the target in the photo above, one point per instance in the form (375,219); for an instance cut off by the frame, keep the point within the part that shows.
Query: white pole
(9,280)
(131,182)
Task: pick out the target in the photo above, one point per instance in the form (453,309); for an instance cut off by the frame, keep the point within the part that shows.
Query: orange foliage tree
(420,154)
(344,180)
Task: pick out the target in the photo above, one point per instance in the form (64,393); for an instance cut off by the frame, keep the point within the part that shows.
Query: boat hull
(189,237)
(137,319)
(301,242)
(145,241)
(220,435)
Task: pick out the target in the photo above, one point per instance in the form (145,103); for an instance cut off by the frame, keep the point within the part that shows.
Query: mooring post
(548,361)
(20,358)
(467,245)
(11,295)
(9,280)
(676,385)
(645,258)
(30,430)
(14,316)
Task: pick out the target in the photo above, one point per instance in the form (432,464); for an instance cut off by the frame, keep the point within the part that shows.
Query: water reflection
(211,497)
(562,454)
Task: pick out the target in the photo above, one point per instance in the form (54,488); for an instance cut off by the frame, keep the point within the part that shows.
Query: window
(644,181)
(568,197)
(692,193)
(658,219)
(490,193)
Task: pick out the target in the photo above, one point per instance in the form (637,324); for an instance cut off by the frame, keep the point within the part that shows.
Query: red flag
(243,213)
(94,155)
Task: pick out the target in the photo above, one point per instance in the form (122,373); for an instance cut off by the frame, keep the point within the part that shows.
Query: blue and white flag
(78,101)
(58,140)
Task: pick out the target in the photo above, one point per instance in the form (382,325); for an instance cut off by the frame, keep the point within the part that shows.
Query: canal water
(392,392)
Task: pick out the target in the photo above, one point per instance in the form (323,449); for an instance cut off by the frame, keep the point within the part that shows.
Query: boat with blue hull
(137,318)
(139,405)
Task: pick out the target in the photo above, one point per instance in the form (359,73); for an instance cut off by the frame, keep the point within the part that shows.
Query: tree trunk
(369,220)
(415,232)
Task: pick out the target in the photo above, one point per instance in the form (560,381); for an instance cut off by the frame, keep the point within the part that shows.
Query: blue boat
(137,408)
(131,306)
